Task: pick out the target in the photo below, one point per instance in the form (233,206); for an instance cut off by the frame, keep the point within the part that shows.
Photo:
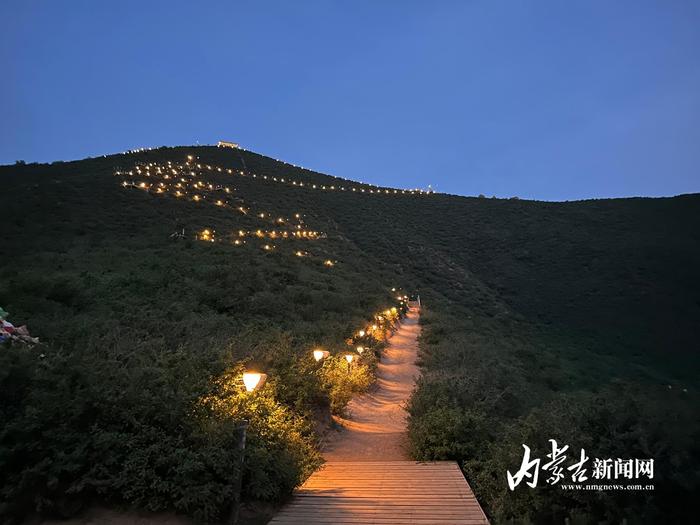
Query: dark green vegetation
(573,321)
(141,329)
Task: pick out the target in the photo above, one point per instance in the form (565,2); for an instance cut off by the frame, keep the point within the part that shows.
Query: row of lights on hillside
(354,189)
(209,235)
(379,190)
(389,315)
(319,355)
(182,184)
(391,190)
(169,170)
(190,157)
(255,380)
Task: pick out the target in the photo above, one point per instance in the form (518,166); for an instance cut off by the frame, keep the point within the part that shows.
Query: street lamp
(253,380)
(321,354)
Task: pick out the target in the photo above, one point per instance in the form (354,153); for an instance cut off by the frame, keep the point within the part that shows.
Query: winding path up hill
(368,477)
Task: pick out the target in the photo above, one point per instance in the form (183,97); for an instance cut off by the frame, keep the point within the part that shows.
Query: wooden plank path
(384,493)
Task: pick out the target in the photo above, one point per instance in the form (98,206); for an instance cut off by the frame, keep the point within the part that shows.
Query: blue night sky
(548,100)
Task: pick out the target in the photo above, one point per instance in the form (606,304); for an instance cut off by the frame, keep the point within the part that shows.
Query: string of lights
(364,189)
(376,331)
(378,189)
(187,181)
(172,179)
(382,322)
(209,235)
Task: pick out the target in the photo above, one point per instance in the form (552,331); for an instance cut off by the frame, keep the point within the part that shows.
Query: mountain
(573,321)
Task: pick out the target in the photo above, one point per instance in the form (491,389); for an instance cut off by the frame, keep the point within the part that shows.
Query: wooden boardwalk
(384,493)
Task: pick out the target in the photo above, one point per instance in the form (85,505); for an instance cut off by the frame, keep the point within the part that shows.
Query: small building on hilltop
(226,144)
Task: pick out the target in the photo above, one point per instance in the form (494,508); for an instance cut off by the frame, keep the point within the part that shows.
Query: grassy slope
(531,301)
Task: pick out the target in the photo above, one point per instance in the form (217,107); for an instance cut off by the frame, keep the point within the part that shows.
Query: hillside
(575,321)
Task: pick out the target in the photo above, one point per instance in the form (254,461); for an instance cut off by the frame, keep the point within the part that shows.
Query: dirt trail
(375,429)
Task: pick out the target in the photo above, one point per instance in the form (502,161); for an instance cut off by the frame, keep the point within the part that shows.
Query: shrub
(79,429)
(343,381)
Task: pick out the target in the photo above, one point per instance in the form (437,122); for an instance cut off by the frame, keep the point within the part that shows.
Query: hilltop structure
(226,144)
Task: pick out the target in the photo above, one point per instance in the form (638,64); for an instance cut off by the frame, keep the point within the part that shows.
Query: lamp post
(349,358)
(241,430)
(252,381)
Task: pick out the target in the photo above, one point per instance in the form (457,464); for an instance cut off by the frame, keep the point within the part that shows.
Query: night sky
(540,99)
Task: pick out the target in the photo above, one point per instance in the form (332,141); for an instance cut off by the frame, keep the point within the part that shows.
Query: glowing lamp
(361,333)
(253,380)
(374,327)
(349,358)
(360,349)
(321,354)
